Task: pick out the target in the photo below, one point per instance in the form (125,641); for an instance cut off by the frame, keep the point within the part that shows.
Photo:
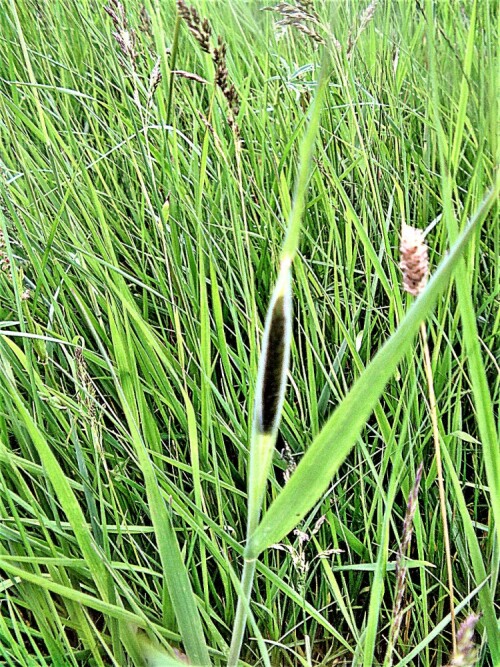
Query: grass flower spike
(414,260)
(465,654)
(275,354)
(269,397)
(415,267)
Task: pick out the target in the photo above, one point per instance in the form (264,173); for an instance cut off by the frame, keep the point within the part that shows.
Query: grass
(143,223)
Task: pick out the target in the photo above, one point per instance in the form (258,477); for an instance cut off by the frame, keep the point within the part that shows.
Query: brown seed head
(116,11)
(124,35)
(155,77)
(199,28)
(414,259)
(308,6)
(202,32)
(298,16)
(219,57)
(145,24)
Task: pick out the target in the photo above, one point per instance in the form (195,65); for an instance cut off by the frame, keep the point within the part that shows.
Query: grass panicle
(414,265)
(301,16)
(4,257)
(124,35)
(202,32)
(198,27)
(365,18)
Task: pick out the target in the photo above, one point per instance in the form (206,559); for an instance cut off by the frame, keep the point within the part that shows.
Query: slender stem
(439,466)
(240,620)
(173,55)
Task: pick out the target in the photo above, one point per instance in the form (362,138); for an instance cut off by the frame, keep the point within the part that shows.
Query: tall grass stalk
(273,367)
(415,267)
(439,466)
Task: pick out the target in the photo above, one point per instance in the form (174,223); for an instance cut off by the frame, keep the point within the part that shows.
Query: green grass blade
(64,493)
(174,570)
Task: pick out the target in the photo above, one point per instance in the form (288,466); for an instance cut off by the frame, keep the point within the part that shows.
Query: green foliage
(142,228)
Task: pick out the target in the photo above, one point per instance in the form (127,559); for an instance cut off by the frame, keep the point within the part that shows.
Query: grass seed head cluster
(202,32)
(414,260)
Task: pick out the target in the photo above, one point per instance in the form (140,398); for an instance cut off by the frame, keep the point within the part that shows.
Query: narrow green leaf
(84,599)
(174,570)
(65,495)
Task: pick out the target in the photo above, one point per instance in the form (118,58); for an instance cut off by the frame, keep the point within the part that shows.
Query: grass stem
(242,611)
(439,467)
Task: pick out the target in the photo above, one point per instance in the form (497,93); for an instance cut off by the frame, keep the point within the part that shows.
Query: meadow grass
(155,183)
